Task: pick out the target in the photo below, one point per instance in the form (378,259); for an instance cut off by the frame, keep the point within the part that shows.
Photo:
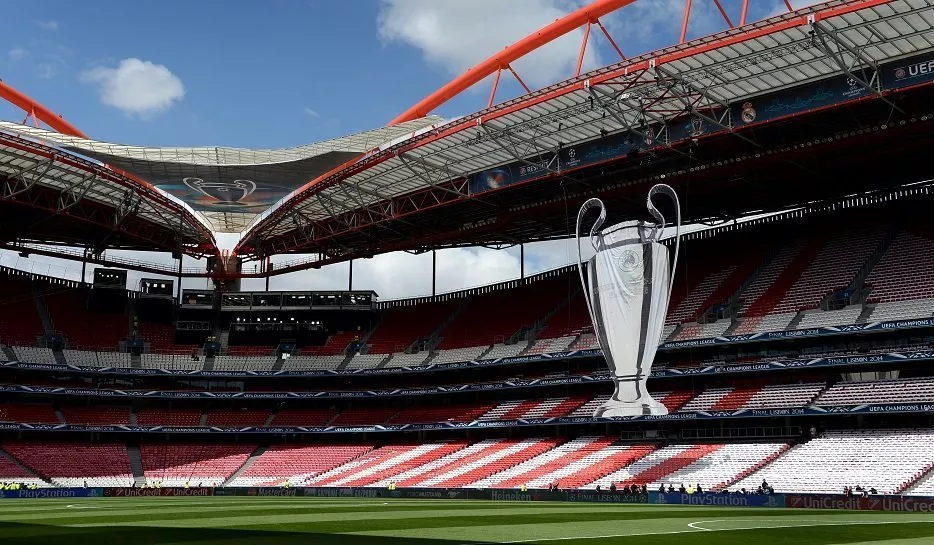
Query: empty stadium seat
(887,460)
(195,464)
(73,464)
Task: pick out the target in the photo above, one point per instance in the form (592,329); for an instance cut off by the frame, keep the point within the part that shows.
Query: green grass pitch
(312,521)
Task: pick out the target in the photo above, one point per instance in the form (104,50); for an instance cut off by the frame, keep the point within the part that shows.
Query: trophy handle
(658,231)
(591,203)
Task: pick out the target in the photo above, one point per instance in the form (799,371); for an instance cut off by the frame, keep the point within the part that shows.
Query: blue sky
(276,73)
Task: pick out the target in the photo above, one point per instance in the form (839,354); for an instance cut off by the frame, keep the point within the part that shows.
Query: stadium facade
(791,340)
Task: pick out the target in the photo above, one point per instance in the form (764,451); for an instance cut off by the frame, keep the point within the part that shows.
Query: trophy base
(632,408)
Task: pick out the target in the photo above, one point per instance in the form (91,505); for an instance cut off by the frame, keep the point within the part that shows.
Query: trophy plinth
(627,400)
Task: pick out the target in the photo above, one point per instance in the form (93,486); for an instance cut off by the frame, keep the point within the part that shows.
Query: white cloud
(310,112)
(137,87)
(48,25)
(45,70)
(17,54)
(457,35)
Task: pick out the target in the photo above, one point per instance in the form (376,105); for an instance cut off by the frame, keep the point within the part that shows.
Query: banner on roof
(786,102)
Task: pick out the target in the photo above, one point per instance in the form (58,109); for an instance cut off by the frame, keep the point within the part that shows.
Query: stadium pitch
(191,521)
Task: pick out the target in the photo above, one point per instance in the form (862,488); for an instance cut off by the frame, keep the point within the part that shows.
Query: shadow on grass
(35,534)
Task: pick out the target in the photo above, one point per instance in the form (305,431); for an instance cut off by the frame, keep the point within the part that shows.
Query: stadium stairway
(750,470)
(136,465)
(23,468)
(260,450)
(786,278)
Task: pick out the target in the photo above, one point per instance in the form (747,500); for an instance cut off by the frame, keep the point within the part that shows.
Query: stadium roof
(103,208)
(228,186)
(642,95)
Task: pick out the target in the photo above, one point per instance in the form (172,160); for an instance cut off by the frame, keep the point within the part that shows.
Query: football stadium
(766,189)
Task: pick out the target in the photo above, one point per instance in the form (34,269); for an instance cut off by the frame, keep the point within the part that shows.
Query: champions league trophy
(627,290)
(225,193)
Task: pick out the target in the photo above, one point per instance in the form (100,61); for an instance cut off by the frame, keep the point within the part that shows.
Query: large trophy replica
(627,289)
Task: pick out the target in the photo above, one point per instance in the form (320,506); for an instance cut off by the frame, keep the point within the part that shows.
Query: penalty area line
(695,529)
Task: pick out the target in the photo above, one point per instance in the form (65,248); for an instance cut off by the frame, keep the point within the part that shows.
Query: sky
(278,73)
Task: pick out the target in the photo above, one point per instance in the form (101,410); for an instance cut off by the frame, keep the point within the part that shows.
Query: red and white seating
(195,464)
(303,417)
(234,418)
(244,363)
(85,329)
(463,456)
(656,467)
(28,413)
(71,464)
(533,471)
(776,396)
(505,350)
(31,354)
(174,417)
(911,390)
(534,408)
(887,460)
(587,341)
(500,455)
(16,299)
(446,413)
(364,417)
(296,464)
(830,318)
(457,355)
(833,267)
(904,272)
(305,363)
(689,307)
(365,361)
(902,310)
(120,360)
(97,416)
(924,487)
(764,324)
(12,473)
(694,330)
(723,465)
(380,470)
(401,359)
(402,326)
(550,346)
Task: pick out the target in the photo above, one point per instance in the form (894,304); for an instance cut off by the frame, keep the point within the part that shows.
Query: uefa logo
(901,73)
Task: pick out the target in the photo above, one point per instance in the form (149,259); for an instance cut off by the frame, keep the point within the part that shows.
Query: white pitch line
(694,524)
(76,506)
(697,530)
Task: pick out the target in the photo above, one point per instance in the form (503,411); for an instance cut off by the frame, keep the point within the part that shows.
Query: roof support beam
(823,37)
(25,178)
